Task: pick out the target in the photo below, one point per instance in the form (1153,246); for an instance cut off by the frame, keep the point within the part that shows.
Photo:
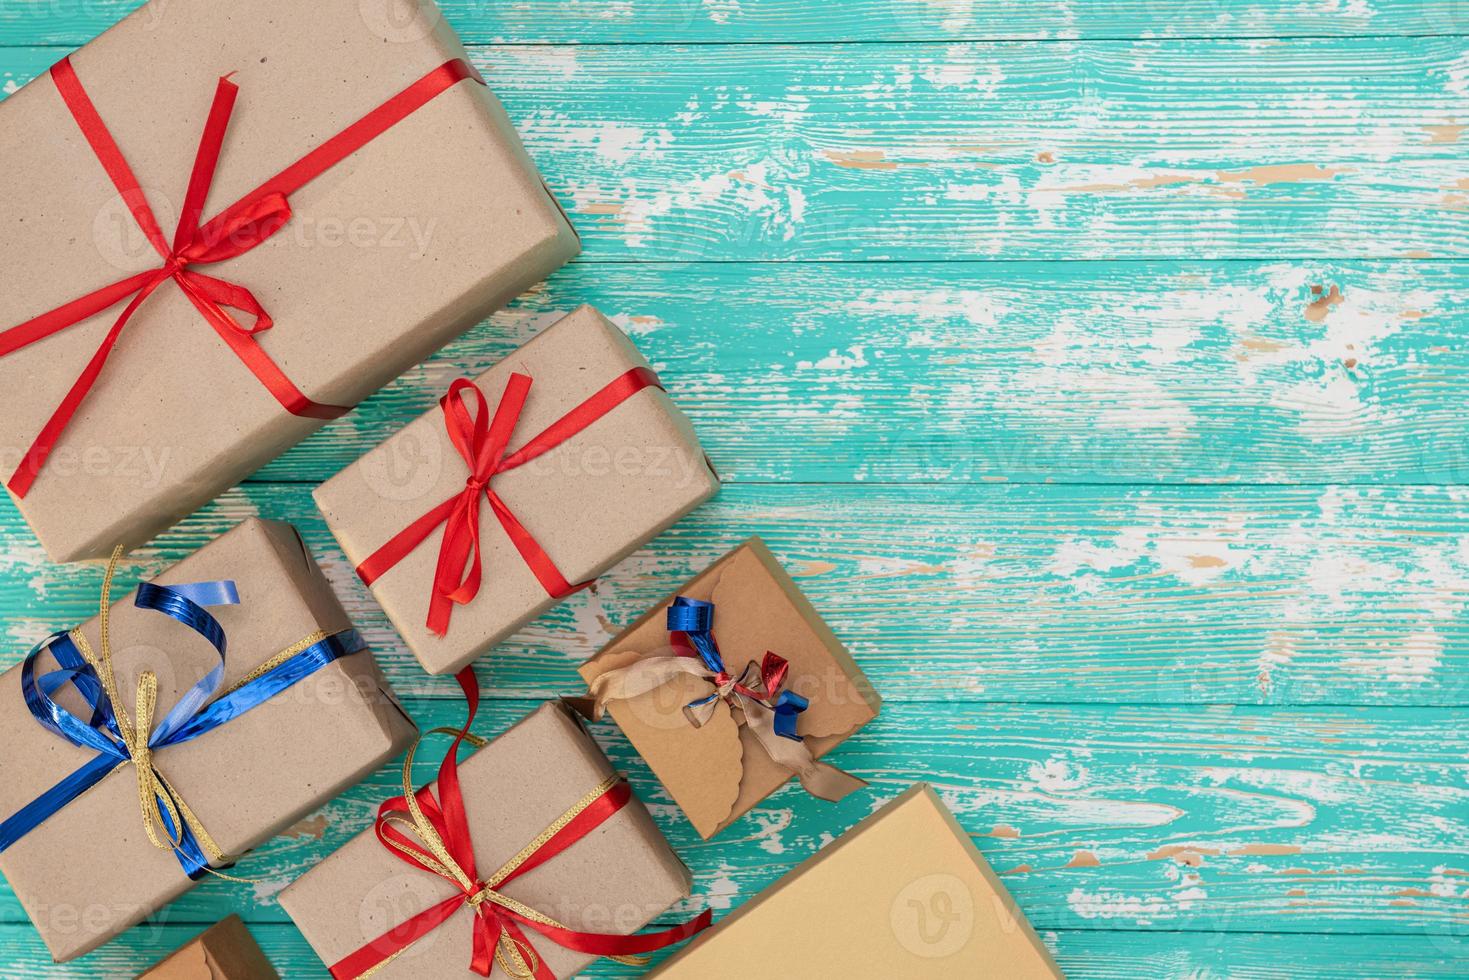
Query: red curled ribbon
(483,442)
(245,225)
(441,845)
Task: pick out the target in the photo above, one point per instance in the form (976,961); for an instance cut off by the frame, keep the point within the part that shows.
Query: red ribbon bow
(773,669)
(443,846)
(238,229)
(482,443)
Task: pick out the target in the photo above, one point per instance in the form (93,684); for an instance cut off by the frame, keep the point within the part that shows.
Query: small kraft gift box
(534,478)
(224,951)
(228,222)
(528,860)
(905,894)
(188,723)
(732,686)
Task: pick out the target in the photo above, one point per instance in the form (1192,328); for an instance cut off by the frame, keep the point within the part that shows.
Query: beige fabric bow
(752,693)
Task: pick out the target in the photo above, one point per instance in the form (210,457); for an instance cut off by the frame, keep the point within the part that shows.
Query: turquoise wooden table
(1100,368)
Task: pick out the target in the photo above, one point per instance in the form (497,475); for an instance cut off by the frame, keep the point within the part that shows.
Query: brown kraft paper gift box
(387,256)
(617,879)
(905,894)
(89,871)
(596,498)
(718,772)
(224,951)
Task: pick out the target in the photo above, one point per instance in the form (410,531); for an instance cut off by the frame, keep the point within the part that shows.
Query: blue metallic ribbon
(694,618)
(197,712)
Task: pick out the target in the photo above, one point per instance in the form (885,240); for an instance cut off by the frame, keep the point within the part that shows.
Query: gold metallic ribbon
(518,959)
(156,795)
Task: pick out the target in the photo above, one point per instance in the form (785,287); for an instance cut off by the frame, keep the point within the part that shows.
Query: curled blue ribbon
(695,619)
(195,713)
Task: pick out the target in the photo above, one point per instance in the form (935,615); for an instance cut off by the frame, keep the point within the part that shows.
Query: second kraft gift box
(224,701)
(527,860)
(731,687)
(227,222)
(522,486)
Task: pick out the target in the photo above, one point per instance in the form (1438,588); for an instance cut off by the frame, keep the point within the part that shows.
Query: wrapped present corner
(522,486)
(905,893)
(228,222)
(224,951)
(730,688)
(528,860)
(192,721)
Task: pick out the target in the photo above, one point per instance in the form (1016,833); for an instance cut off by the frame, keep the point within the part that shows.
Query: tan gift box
(905,894)
(615,880)
(589,502)
(719,770)
(89,871)
(224,951)
(387,255)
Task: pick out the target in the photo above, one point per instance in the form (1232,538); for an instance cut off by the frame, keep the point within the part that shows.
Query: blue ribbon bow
(193,715)
(695,619)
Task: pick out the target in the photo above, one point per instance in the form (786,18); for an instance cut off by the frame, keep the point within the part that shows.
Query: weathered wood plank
(1220,820)
(1341,148)
(690,21)
(988,593)
(1025,372)
(1083,954)
(1186,149)
(1067,372)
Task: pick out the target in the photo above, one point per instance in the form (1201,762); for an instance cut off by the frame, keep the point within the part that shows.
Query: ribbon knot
(432,833)
(765,708)
(160,812)
(242,227)
(759,686)
(123,739)
(483,442)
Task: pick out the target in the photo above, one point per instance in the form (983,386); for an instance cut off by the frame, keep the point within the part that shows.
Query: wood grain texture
(1349,148)
(986,593)
(1103,386)
(1160,372)
(742,21)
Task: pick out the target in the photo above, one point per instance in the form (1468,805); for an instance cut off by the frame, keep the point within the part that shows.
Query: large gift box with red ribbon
(522,486)
(527,860)
(227,222)
(205,712)
(731,687)
(904,894)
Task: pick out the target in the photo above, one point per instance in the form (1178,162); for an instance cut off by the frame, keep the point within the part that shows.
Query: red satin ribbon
(447,814)
(482,442)
(773,671)
(239,228)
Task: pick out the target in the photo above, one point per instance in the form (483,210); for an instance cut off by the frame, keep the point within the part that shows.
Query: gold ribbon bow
(160,803)
(515,956)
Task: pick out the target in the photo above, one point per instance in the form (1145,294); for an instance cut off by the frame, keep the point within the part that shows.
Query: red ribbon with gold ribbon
(243,226)
(482,442)
(441,844)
